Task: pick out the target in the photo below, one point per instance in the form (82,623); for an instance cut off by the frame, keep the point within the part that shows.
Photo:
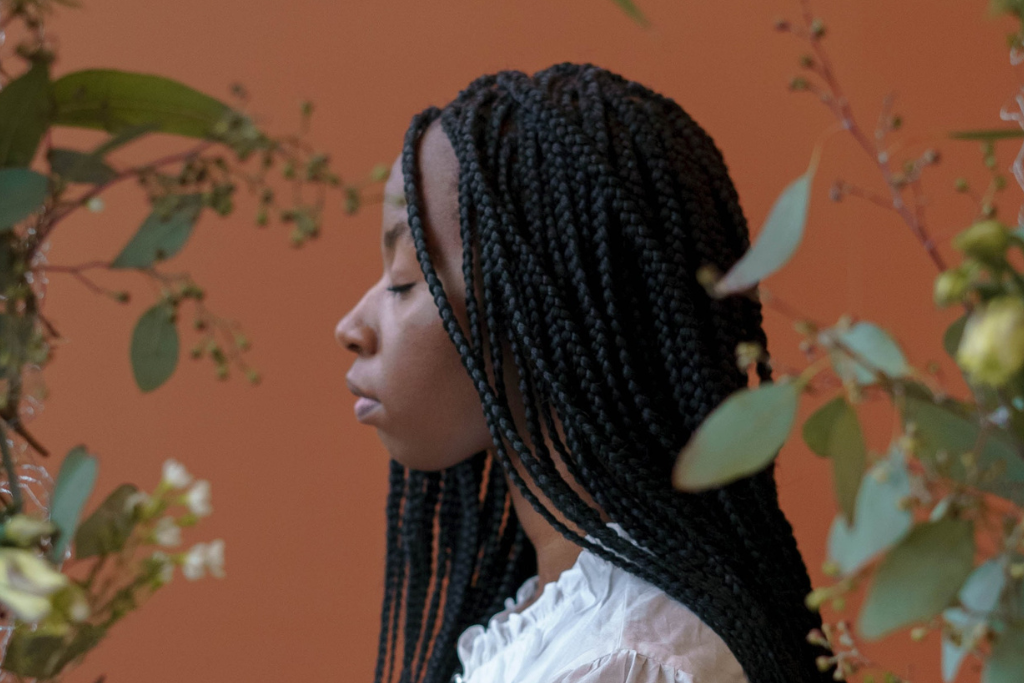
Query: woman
(534,356)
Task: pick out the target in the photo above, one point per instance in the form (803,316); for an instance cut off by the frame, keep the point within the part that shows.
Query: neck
(555,553)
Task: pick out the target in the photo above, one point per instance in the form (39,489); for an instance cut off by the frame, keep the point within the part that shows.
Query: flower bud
(950,287)
(175,475)
(985,239)
(992,346)
(25,531)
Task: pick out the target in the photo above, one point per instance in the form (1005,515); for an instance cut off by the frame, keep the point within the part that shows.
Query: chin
(420,458)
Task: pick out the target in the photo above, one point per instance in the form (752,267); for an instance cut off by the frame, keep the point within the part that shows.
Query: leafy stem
(12,475)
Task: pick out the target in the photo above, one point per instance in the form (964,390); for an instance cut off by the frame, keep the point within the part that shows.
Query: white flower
(166,532)
(175,475)
(198,499)
(194,565)
(202,557)
(134,500)
(25,531)
(215,557)
(26,583)
(166,565)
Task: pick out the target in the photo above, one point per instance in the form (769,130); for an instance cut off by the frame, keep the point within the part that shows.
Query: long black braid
(590,202)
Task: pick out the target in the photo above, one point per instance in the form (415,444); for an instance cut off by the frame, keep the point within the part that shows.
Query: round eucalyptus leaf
(872,344)
(817,428)
(950,426)
(163,234)
(879,520)
(777,240)
(154,349)
(113,100)
(25,108)
(80,167)
(22,192)
(740,437)
(106,530)
(980,592)
(951,338)
(954,651)
(848,454)
(74,484)
(1006,662)
(919,577)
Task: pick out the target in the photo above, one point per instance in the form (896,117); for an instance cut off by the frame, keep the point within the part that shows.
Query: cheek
(434,415)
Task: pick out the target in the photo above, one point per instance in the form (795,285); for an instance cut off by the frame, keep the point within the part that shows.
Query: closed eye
(398,290)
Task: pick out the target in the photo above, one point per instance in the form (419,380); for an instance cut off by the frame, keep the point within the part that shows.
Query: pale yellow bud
(985,239)
(992,346)
(950,287)
(24,531)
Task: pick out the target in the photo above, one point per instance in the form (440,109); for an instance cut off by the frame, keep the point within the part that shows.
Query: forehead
(438,189)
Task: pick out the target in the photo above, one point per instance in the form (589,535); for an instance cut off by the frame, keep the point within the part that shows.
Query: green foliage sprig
(949,487)
(64,581)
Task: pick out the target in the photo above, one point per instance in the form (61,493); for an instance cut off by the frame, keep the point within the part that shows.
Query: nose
(354,333)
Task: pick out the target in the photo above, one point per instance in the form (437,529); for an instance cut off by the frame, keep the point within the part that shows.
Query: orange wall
(299,485)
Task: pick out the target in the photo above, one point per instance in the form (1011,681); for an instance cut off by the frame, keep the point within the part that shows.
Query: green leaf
(1006,663)
(776,242)
(951,339)
(987,135)
(954,651)
(833,431)
(108,527)
(980,592)
(154,350)
(79,167)
(75,480)
(15,338)
(849,458)
(817,428)
(123,137)
(879,521)
(32,654)
(950,426)
(116,100)
(740,437)
(632,10)
(163,233)
(919,577)
(874,346)
(25,109)
(42,655)
(22,192)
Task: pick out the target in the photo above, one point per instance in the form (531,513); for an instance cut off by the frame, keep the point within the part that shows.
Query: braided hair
(590,202)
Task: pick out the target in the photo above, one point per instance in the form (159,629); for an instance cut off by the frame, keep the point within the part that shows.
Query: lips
(357,391)
(366,403)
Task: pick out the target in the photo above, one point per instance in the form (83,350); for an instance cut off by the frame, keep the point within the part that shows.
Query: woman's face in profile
(423,403)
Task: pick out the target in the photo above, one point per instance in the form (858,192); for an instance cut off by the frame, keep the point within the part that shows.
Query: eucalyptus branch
(9,469)
(48,224)
(840,106)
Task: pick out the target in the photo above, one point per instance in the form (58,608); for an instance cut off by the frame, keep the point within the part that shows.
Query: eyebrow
(396,232)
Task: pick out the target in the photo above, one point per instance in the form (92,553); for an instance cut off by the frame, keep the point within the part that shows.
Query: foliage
(932,529)
(65,581)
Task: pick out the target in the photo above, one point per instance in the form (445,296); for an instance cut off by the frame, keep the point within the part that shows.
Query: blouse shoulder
(630,666)
(596,623)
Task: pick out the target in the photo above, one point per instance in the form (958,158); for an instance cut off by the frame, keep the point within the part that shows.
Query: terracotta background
(298,484)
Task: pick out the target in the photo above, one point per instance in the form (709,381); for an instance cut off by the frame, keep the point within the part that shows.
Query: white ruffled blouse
(596,623)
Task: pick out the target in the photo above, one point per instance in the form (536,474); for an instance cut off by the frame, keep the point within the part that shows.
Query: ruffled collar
(585,583)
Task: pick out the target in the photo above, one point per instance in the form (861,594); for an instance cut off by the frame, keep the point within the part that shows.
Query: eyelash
(398,290)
